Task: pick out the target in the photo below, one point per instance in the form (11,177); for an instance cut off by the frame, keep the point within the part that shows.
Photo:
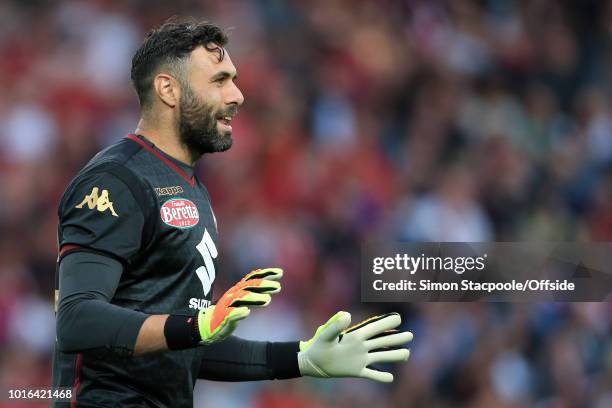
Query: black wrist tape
(181,332)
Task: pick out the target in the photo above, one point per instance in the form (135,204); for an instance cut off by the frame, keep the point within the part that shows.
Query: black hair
(169,46)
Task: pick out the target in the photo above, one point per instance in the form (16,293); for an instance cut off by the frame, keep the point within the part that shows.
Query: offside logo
(180,213)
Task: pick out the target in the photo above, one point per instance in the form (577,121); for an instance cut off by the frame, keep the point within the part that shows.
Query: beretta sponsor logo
(180,213)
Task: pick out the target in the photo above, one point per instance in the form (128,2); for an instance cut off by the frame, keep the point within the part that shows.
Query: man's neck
(166,140)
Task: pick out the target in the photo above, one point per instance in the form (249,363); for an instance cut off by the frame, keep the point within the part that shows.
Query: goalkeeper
(138,256)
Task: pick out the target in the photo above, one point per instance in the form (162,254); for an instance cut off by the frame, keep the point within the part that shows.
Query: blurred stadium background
(417,120)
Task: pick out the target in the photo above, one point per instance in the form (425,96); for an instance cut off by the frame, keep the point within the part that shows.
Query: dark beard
(198,125)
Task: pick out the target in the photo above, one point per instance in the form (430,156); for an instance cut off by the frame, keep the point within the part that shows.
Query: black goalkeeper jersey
(138,205)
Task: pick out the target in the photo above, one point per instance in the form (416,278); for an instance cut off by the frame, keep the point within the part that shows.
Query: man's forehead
(202,59)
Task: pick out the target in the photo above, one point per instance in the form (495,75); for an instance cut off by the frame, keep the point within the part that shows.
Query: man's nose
(234,95)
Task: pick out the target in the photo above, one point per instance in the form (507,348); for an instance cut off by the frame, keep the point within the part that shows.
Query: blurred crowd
(417,120)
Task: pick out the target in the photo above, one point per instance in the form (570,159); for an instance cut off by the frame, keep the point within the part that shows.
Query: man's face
(209,101)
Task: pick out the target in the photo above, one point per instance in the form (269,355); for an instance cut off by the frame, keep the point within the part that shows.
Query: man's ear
(167,89)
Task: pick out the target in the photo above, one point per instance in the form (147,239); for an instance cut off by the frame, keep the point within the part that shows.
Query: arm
(88,282)
(236,359)
(336,350)
(151,337)
(101,227)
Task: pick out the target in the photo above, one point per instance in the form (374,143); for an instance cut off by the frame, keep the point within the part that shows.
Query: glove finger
(246,298)
(334,326)
(392,356)
(270,286)
(258,286)
(367,321)
(264,286)
(273,274)
(375,325)
(376,375)
(385,333)
(237,314)
(391,340)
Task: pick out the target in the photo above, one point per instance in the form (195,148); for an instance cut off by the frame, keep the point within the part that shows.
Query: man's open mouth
(226,120)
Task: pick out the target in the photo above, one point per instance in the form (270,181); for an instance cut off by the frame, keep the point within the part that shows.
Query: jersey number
(206,273)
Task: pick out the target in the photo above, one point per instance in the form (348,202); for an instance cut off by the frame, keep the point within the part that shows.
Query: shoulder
(121,155)
(112,170)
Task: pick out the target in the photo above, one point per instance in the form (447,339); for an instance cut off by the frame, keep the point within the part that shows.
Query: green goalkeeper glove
(217,322)
(338,351)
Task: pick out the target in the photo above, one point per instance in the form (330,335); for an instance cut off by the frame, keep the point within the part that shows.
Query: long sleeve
(85,318)
(236,359)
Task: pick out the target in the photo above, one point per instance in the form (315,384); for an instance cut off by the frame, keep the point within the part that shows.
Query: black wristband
(282,359)
(181,332)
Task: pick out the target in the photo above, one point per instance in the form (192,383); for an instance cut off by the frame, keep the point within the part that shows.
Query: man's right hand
(219,321)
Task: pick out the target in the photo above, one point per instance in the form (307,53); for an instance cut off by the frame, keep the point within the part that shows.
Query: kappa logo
(172,190)
(101,202)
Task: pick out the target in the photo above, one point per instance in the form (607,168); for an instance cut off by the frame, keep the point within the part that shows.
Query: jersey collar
(182,169)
